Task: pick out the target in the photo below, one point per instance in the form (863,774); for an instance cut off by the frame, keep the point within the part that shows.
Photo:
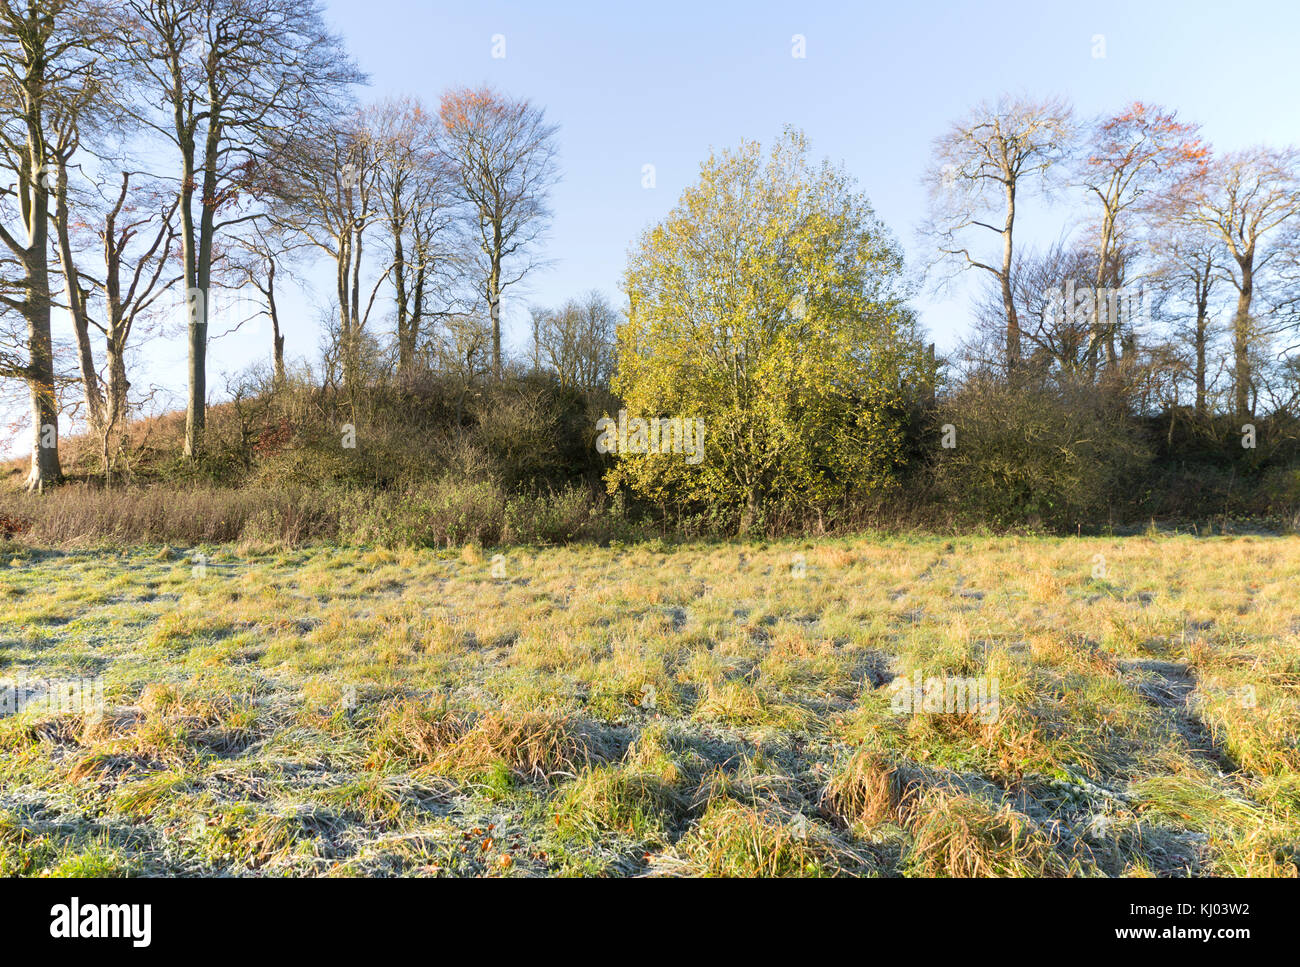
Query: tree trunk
(115,398)
(45,469)
(405,349)
(1008,296)
(1202,337)
(195,411)
(34,257)
(416,318)
(277,339)
(1102,334)
(749,514)
(196,403)
(353,370)
(494,312)
(89,378)
(195,302)
(342,260)
(77,307)
(1241,336)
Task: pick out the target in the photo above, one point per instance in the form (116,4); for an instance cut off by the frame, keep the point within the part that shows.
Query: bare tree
(46,75)
(415,191)
(1188,270)
(980,169)
(328,184)
(134,230)
(262,259)
(504,156)
(123,220)
(1248,202)
(224,78)
(1053,337)
(461,347)
(1130,158)
(577,341)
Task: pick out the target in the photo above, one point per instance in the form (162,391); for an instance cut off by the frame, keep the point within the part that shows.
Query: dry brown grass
(87,515)
(533,744)
(866,791)
(735,839)
(964,836)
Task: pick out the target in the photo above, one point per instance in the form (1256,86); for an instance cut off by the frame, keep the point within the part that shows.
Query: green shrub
(554,518)
(441,514)
(1051,455)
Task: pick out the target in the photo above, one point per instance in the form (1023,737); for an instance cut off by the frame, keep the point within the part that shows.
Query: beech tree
(46,66)
(1249,203)
(133,226)
(222,79)
(415,192)
(327,184)
(1054,339)
(260,262)
(980,169)
(503,152)
(1189,269)
(1131,157)
(576,341)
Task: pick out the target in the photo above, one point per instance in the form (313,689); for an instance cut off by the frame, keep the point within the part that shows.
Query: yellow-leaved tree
(769,304)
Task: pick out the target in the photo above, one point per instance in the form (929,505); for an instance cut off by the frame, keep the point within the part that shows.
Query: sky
(663,83)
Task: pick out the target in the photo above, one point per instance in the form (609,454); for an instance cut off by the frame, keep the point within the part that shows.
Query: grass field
(656,710)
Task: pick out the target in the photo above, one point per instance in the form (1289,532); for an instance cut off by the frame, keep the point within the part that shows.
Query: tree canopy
(769,304)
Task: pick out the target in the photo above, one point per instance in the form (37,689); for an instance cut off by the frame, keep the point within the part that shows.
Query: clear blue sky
(660,83)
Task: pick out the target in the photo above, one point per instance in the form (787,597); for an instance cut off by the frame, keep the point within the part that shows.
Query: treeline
(1147,363)
(167,152)
(162,153)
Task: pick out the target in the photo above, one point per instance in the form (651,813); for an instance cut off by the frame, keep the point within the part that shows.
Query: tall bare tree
(980,169)
(1189,270)
(1130,158)
(121,219)
(577,341)
(326,185)
(224,78)
(134,228)
(1053,338)
(504,153)
(262,258)
(415,191)
(46,75)
(1249,203)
